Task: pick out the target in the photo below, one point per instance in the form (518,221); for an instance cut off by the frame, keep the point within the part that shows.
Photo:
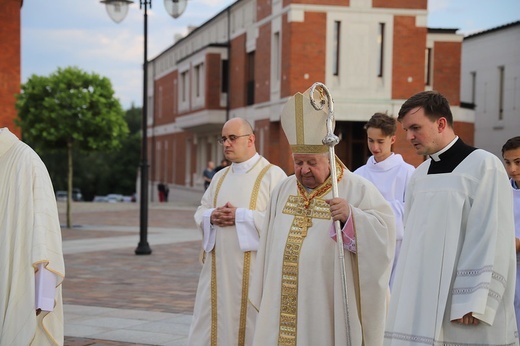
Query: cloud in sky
(61,33)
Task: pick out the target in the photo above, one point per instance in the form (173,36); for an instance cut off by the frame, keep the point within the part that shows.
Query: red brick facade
(263,65)
(447,58)
(415,4)
(304,52)
(237,67)
(408,57)
(10,62)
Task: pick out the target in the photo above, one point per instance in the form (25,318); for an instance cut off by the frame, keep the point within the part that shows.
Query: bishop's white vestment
(221,314)
(30,235)
(457,255)
(297,285)
(390,176)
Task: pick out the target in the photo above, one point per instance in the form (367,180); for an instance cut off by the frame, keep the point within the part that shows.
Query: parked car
(61,196)
(114,198)
(76,195)
(100,199)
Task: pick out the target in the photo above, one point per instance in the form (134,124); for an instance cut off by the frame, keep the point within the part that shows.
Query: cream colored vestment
(297,281)
(221,314)
(30,234)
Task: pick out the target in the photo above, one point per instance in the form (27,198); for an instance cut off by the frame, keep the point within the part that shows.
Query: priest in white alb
(298,281)
(230,215)
(31,258)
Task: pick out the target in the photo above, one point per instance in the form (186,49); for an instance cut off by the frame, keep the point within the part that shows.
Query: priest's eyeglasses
(231,139)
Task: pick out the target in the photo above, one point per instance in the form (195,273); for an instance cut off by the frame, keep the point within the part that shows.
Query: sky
(62,33)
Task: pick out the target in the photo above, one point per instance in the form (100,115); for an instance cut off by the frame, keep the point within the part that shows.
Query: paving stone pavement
(113,297)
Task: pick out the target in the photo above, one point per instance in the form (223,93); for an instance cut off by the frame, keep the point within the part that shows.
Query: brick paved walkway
(164,281)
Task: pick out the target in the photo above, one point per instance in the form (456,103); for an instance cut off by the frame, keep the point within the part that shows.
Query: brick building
(9,62)
(248,59)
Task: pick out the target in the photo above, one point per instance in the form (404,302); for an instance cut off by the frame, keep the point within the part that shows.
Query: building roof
(442,31)
(498,28)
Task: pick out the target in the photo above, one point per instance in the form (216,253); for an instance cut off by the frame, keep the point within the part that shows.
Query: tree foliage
(71,107)
(92,175)
(70,110)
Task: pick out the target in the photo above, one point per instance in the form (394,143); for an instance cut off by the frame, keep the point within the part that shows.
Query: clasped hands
(223,216)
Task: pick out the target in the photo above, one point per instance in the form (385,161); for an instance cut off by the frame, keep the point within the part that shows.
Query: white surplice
(390,176)
(30,235)
(226,249)
(457,257)
(317,299)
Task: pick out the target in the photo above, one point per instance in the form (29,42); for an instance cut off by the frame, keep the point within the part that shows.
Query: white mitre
(304,126)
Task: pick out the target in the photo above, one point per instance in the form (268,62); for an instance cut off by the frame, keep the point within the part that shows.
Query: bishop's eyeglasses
(231,138)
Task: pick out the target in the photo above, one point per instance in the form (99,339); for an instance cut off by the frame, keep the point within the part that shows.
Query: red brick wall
(163,111)
(466,131)
(415,4)
(237,83)
(276,146)
(408,57)
(178,143)
(213,81)
(446,73)
(303,52)
(263,9)
(263,64)
(318,2)
(405,148)
(9,62)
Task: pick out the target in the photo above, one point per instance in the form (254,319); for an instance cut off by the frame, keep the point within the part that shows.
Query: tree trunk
(69,184)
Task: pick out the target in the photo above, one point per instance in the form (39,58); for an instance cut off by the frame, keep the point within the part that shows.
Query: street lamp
(117,10)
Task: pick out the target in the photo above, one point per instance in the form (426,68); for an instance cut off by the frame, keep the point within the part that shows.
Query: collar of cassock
(437,156)
(446,160)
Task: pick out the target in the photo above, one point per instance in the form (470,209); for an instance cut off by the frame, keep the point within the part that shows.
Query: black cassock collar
(451,158)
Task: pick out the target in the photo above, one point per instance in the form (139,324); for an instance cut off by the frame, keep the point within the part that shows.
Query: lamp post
(117,10)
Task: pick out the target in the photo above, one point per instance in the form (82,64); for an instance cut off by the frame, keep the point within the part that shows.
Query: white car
(114,198)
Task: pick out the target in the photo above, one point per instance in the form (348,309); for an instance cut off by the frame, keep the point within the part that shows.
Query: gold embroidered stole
(305,207)
(246,265)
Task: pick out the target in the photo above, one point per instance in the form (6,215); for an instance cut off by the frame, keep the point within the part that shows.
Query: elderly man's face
(311,169)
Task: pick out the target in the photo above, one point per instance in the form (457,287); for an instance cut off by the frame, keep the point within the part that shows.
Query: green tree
(70,110)
(120,177)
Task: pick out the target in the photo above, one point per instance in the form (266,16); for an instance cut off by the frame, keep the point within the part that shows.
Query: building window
(160,103)
(197,81)
(473,87)
(225,77)
(428,65)
(501,93)
(336,48)
(276,56)
(381,47)
(184,85)
(250,75)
